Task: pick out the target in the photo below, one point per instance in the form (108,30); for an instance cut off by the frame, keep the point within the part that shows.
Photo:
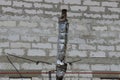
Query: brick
(85,67)
(71,14)
(112,16)
(110,4)
(41,45)
(30,38)
(114,67)
(97,54)
(88,15)
(106,34)
(118,47)
(34,0)
(100,28)
(8,23)
(114,54)
(9,37)
(97,9)
(64,7)
(53,1)
(20,45)
(89,2)
(22,4)
(36,52)
(11,10)
(52,13)
(13,37)
(40,5)
(4,44)
(114,10)
(76,53)
(52,39)
(87,47)
(5,2)
(72,1)
(2,30)
(97,41)
(77,40)
(27,24)
(0,51)
(114,41)
(78,8)
(4,78)
(19,52)
(31,66)
(86,75)
(8,66)
(106,48)
(36,78)
(100,67)
(32,11)
(114,28)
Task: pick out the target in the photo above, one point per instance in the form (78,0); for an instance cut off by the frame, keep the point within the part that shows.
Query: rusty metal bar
(61,65)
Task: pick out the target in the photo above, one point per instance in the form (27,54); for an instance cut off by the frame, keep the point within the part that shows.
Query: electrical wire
(37,62)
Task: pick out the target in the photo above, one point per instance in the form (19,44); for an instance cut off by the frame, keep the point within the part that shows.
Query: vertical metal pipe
(50,75)
(61,65)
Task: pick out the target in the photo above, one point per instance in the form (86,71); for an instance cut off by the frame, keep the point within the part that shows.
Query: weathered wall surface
(29,28)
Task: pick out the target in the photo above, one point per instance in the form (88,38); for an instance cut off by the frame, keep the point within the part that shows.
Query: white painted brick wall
(4,44)
(72,1)
(20,45)
(100,67)
(7,23)
(5,2)
(76,53)
(42,45)
(97,9)
(110,4)
(36,52)
(19,52)
(97,54)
